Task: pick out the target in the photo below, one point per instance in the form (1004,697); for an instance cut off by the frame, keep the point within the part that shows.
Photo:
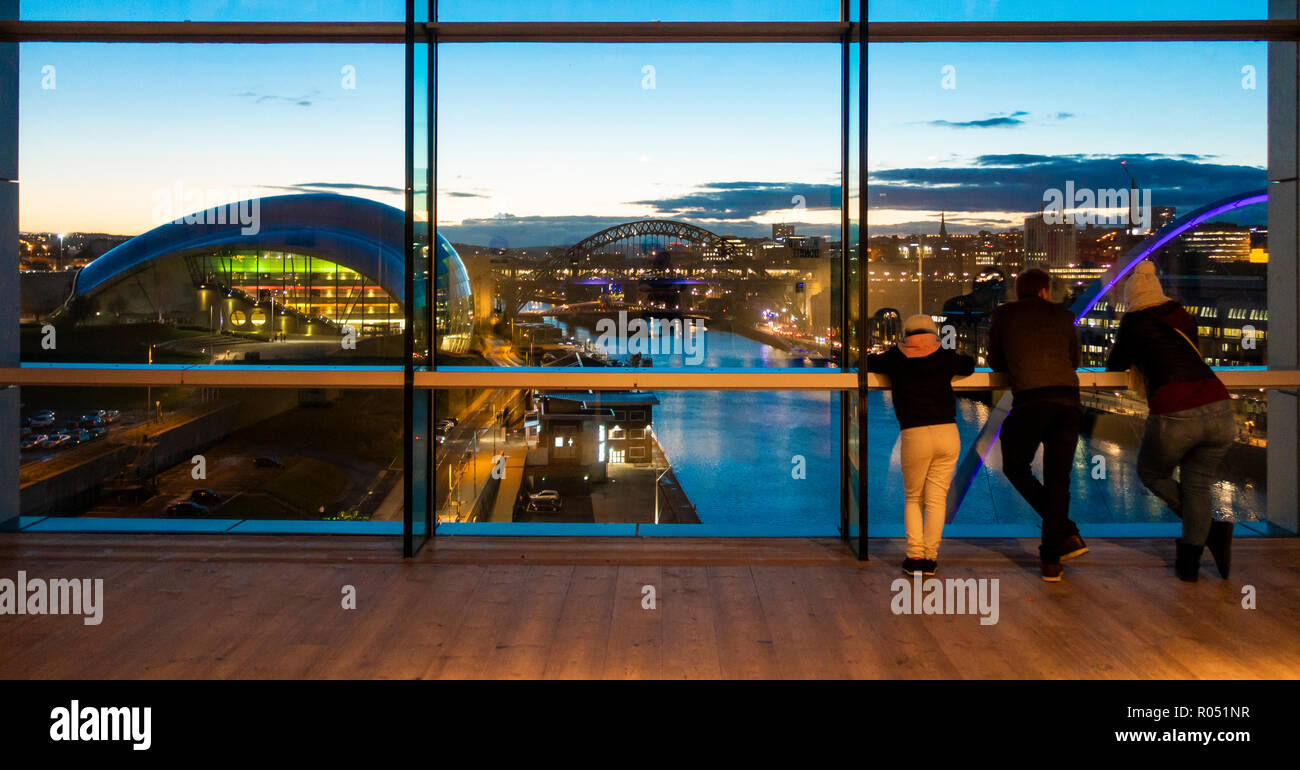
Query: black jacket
(922,387)
(1177,377)
(1034,342)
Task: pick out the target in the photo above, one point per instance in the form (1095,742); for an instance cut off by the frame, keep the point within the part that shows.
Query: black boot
(1187,565)
(1220,544)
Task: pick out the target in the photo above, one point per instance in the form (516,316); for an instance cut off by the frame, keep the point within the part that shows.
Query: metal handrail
(381,377)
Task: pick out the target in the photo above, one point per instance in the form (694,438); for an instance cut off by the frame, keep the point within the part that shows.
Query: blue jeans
(1194,441)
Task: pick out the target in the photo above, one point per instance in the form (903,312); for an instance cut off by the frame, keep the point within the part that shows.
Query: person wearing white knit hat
(920,372)
(1190,426)
(1143,289)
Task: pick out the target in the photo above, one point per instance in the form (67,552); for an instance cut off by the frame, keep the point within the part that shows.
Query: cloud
(739,202)
(306,100)
(1016,182)
(955,225)
(459,194)
(998,120)
(334,187)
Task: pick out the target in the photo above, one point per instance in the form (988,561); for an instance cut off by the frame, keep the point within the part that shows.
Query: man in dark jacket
(1034,342)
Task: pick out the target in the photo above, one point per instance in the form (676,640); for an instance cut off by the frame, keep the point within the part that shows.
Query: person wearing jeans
(1034,342)
(920,374)
(929,456)
(1190,426)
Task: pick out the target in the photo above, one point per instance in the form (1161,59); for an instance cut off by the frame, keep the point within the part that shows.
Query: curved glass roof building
(308,264)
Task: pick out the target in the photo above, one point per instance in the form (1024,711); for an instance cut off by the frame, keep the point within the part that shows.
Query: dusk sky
(544,144)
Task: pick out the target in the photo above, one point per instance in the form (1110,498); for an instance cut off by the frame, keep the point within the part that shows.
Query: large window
(596,266)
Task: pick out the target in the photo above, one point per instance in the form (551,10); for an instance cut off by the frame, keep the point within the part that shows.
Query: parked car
(32,442)
(42,420)
(107,415)
(445,426)
(267,462)
(90,421)
(546,494)
(543,505)
(186,508)
(205,496)
(97,433)
(26,432)
(70,437)
(54,441)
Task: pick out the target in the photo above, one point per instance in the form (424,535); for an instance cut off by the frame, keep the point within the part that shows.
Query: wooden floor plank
(690,640)
(246,607)
(581,639)
(635,648)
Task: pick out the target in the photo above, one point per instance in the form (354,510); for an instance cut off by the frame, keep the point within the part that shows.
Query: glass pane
(239,460)
(205,10)
(715,463)
(631,195)
(1107,497)
(980,170)
(231,204)
(638,10)
(994,203)
(1062,10)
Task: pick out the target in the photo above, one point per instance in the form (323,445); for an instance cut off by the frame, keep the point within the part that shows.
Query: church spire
(943,226)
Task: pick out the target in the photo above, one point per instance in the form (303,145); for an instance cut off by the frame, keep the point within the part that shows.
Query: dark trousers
(1055,426)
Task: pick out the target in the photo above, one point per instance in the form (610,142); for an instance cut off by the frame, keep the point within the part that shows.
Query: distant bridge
(629,231)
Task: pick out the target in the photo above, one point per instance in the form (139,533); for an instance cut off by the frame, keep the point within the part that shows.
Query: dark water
(1105,484)
(738,456)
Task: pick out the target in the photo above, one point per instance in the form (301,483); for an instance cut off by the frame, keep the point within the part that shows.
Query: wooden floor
(474,607)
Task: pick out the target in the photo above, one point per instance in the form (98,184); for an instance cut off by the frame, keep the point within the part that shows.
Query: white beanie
(920,323)
(1143,288)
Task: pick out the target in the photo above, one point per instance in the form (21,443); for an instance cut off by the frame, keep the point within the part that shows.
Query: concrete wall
(1283,276)
(42,293)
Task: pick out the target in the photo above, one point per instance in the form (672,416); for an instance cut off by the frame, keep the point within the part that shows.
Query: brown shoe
(1073,546)
(1052,572)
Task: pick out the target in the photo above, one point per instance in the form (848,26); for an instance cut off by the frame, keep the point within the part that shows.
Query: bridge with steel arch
(629,231)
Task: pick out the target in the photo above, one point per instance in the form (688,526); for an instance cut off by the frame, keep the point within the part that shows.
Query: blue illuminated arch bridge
(973,458)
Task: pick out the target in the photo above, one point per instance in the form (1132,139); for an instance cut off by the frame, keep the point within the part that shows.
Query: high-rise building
(781,232)
(1219,242)
(1048,245)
